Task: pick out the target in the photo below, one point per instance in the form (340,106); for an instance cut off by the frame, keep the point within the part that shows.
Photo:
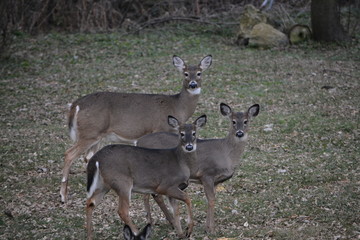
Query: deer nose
(189,147)
(239,134)
(193,85)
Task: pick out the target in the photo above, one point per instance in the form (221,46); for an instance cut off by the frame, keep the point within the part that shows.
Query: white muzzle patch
(195,91)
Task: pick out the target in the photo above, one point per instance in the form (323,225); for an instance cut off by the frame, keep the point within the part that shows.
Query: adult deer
(217,158)
(125,117)
(143,235)
(126,169)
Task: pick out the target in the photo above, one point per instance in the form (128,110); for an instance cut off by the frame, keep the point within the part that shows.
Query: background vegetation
(300,180)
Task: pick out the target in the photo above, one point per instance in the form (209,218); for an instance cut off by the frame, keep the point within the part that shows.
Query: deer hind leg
(70,155)
(209,189)
(91,203)
(147,208)
(124,206)
(91,151)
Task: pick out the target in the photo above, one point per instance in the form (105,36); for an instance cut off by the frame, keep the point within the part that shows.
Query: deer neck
(235,147)
(187,103)
(187,159)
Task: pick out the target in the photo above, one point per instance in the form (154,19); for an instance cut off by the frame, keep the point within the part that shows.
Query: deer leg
(176,214)
(124,205)
(147,208)
(70,155)
(209,189)
(160,201)
(91,202)
(91,151)
(89,210)
(176,193)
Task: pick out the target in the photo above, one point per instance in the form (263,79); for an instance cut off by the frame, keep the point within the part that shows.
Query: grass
(299,181)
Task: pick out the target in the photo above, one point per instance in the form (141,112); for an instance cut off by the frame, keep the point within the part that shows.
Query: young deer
(117,115)
(126,169)
(143,235)
(217,158)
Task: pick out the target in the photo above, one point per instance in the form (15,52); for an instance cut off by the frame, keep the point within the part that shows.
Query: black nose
(189,147)
(239,134)
(193,85)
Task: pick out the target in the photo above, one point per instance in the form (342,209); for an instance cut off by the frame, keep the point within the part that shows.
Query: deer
(143,235)
(126,169)
(116,116)
(217,158)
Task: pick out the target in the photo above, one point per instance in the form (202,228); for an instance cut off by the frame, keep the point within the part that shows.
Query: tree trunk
(325,21)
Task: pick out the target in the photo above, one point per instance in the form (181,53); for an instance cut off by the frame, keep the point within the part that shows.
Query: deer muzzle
(240,134)
(193,85)
(189,147)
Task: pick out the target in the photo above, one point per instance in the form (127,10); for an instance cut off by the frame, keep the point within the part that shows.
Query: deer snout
(189,147)
(240,134)
(193,84)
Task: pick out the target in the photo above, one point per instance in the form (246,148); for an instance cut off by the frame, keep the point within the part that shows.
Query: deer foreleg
(209,189)
(160,201)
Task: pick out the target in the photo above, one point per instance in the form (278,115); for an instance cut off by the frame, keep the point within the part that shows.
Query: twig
(334,71)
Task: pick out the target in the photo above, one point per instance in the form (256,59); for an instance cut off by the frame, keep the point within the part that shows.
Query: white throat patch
(195,91)
(243,139)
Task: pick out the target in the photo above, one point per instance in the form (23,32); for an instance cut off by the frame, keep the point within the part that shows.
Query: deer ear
(225,109)
(128,234)
(173,122)
(178,63)
(200,121)
(146,232)
(253,111)
(205,62)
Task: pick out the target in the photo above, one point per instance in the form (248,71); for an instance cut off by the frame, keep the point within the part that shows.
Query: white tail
(126,169)
(125,117)
(217,158)
(143,235)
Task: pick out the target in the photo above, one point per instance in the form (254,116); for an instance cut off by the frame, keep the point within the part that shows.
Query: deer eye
(198,74)
(182,134)
(234,122)
(194,134)
(245,122)
(186,74)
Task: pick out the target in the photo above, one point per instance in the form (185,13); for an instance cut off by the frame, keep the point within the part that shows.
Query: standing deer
(126,169)
(125,117)
(217,158)
(143,235)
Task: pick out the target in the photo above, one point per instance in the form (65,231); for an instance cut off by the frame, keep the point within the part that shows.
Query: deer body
(217,158)
(125,117)
(126,169)
(120,123)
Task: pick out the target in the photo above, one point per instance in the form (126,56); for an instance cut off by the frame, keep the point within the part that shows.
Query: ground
(298,179)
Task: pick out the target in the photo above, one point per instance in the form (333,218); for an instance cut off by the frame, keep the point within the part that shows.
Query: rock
(255,31)
(268,127)
(265,36)
(42,170)
(248,19)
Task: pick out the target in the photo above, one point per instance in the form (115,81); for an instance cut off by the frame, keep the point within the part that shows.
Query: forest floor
(298,179)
